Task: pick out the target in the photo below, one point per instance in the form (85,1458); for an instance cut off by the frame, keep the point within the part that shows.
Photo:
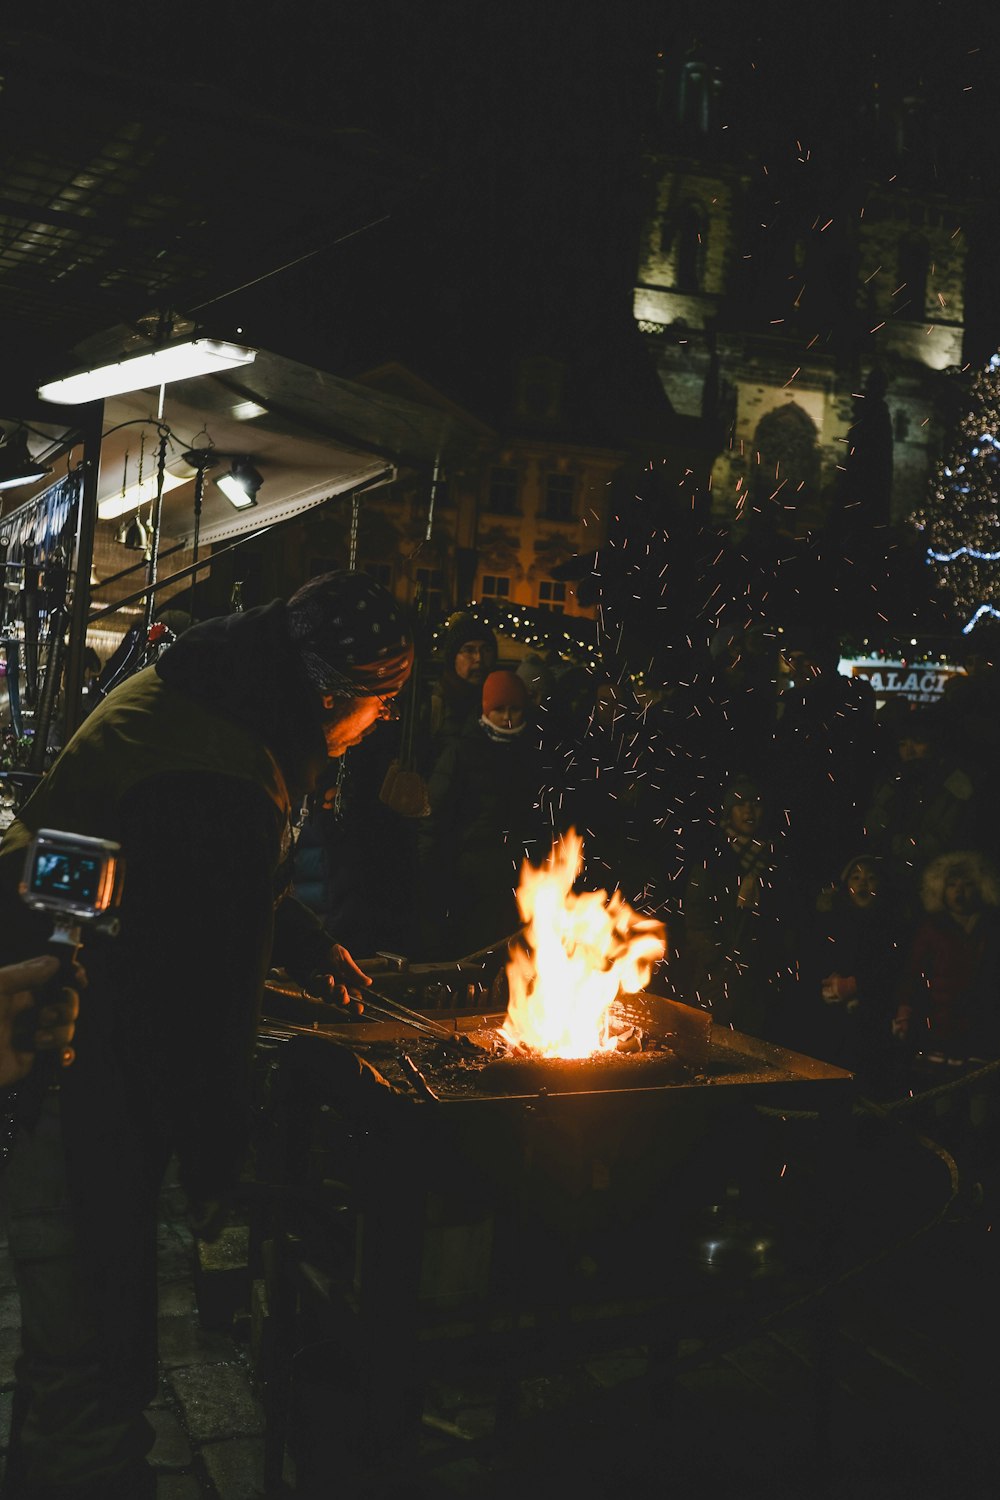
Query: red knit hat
(504,690)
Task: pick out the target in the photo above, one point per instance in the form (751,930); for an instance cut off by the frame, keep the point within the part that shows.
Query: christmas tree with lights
(959,522)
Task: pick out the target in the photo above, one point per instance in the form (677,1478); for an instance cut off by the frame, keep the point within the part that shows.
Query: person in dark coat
(738,922)
(823,756)
(949,993)
(485,820)
(195,766)
(852,956)
(926,804)
(469,655)
(968,721)
(947,1021)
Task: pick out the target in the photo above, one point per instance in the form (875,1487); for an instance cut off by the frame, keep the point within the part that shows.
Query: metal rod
(104,583)
(31,601)
(110,609)
(49,689)
(83,561)
(374,1007)
(410,1067)
(413,1018)
(352,548)
(157,509)
(435,477)
(199,495)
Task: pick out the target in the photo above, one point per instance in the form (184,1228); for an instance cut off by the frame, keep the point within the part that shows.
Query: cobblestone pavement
(208,1422)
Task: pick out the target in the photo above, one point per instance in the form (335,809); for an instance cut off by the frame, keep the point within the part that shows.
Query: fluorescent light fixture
(245,411)
(241,484)
(16,463)
(235,493)
(138,372)
(136,495)
(12,484)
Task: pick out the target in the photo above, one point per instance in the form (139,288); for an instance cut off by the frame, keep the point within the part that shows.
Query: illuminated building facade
(776,275)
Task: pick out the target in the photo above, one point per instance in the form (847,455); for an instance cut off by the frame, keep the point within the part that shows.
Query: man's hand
(54,1023)
(338,980)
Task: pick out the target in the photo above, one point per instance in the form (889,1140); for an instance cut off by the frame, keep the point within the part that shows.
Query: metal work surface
(680,1051)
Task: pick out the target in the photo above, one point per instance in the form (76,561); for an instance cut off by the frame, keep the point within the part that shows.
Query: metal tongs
(377,1006)
(383,1007)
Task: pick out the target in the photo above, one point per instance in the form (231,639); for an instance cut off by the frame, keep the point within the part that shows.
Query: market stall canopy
(309,434)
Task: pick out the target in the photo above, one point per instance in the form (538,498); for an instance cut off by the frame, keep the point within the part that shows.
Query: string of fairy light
(524,625)
(960,519)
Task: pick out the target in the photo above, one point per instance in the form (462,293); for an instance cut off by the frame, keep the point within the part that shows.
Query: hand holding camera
(27,1027)
(78,881)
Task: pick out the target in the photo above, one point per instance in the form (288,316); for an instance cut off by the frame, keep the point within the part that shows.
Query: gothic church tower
(783,286)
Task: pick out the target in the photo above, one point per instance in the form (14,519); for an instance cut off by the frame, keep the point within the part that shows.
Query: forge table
(413,1229)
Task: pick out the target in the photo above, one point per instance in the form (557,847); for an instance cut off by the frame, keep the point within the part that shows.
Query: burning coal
(580,951)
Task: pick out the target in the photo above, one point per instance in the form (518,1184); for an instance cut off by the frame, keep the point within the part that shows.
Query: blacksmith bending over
(195,766)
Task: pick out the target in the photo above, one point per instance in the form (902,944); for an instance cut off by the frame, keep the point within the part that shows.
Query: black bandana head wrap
(351,635)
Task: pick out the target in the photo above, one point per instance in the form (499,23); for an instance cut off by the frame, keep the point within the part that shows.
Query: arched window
(784,483)
(692,234)
(698,88)
(668,226)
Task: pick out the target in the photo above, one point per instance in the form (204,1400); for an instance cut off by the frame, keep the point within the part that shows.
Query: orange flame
(581,950)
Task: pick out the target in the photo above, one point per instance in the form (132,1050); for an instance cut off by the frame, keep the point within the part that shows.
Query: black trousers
(87,1366)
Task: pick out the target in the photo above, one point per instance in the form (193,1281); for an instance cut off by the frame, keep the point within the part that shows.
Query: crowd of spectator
(788,827)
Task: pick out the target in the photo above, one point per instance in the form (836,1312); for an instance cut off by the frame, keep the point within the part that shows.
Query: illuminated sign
(921,682)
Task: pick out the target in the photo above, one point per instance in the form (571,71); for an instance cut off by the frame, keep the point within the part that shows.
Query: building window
(429,590)
(914,269)
(381,572)
(691,250)
(559,489)
(698,86)
(495,586)
(552,596)
(503,492)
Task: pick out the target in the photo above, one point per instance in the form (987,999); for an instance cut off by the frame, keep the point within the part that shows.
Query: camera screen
(68,875)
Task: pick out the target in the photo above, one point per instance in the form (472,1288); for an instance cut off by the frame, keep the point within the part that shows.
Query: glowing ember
(581,951)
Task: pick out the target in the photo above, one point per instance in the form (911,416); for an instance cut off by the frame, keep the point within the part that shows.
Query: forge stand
(403,1240)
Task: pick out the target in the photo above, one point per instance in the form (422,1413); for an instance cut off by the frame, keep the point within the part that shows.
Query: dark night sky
(532,117)
(529,118)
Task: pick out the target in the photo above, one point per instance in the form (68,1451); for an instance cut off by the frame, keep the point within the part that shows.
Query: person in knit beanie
(485,820)
(505,703)
(469,655)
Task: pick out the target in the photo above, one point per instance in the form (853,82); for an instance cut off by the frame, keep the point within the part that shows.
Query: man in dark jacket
(195,766)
